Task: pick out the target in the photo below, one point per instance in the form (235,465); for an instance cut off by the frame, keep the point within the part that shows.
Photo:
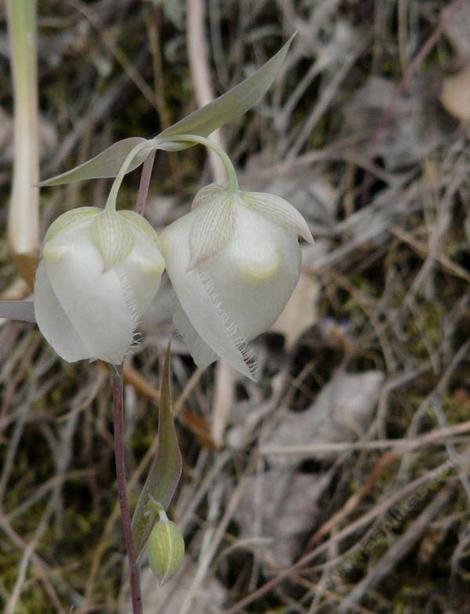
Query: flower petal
(257,272)
(112,236)
(208,194)
(53,321)
(279,211)
(94,299)
(142,269)
(202,354)
(71,220)
(201,306)
(211,229)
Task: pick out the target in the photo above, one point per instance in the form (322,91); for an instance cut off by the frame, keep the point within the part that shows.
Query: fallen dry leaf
(457,29)
(169,598)
(408,123)
(342,412)
(455,95)
(280,507)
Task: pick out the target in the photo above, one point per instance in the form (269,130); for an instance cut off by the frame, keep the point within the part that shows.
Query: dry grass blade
(23,217)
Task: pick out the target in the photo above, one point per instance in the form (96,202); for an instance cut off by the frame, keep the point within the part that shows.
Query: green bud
(165,549)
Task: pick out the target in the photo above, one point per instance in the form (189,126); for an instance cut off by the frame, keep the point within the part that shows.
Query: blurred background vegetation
(340,482)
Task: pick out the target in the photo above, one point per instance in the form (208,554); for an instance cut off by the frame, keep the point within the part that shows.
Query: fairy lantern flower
(99,272)
(233,261)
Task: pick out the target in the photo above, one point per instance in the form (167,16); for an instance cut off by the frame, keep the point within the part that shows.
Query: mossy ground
(57,468)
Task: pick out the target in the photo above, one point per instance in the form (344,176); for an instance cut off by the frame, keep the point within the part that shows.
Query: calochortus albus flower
(233,261)
(99,272)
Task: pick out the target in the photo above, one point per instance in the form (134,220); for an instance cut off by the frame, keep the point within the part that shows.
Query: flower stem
(112,196)
(232,181)
(144,184)
(119,456)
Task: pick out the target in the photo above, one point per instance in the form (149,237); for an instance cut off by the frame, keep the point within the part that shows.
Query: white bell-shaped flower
(99,272)
(233,261)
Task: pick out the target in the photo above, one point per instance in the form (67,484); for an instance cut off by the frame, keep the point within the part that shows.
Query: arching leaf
(233,103)
(105,164)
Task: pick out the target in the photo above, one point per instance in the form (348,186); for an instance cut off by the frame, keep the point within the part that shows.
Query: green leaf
(105,164)
(233,103)
(202,122)
(166,469)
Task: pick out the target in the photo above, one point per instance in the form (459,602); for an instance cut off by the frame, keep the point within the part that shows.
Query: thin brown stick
(402,445)
(119,456)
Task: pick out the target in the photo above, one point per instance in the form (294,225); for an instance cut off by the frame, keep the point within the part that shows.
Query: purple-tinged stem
(119,456)
(145,183)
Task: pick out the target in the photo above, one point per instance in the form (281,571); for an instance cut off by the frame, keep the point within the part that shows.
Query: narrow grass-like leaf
(202,122)
(17,310)
(233,103)
(165,471)
(105,164)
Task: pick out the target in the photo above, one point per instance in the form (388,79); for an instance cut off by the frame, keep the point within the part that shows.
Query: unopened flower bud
(233,261)
(165,549)
(99,272)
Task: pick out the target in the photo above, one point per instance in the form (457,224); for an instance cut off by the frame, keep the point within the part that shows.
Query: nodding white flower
(99,272)
(233,261)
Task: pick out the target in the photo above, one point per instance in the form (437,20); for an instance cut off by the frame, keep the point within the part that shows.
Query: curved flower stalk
(233,261)
(99,272)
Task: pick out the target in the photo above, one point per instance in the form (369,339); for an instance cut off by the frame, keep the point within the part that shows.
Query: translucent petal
(53,321)
(211,229)
(142,269)
(279,211)
(257,272)
(201,303)
(140,275)
(208,194)
(71,219)
(112,236)
(101,310)
(202,354)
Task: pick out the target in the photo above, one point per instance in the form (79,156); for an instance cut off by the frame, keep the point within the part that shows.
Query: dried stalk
(23,217)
